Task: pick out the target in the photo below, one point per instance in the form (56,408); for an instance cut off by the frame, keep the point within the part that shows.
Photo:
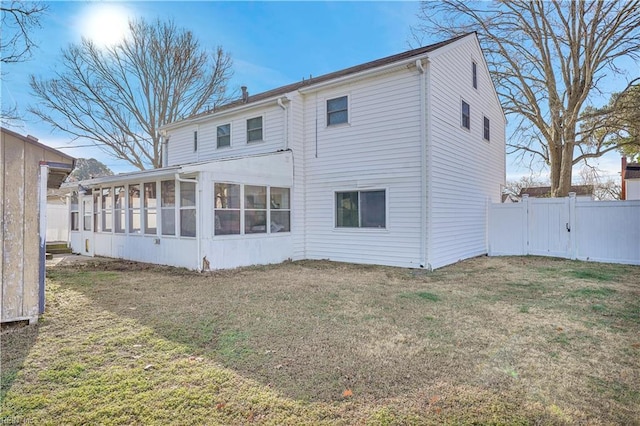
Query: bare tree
(118,97)
(603,189)
(514,187)
(546,58)
(19,18)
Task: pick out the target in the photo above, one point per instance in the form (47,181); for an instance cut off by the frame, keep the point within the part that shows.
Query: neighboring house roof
(632,171)
(545,191)
(58,171)
(326,77)
(509,198)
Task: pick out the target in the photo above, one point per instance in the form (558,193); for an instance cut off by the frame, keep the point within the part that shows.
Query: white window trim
(460,116)
(483,138)
(326,112)
(144,210)
(230,124)
(179,209)
(246,129)
(359,229)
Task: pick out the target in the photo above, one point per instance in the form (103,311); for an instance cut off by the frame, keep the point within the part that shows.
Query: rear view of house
(370,164)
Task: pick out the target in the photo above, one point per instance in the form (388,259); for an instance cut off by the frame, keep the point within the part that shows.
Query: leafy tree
(118,97)
(87,168)
(617,123)
(546,59)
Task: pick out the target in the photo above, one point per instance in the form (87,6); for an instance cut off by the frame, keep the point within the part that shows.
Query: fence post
(525,228)
(572,225)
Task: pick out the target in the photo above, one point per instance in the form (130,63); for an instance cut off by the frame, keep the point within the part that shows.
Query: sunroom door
(87,225)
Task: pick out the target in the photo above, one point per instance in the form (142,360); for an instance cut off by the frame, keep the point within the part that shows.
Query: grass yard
(513,340)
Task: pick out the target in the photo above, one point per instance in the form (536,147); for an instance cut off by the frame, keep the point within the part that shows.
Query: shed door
(87,224)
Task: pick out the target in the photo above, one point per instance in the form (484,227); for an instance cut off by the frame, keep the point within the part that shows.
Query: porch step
(57,248)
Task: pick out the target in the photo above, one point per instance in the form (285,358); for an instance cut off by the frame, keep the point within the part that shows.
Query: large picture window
(150,208)
(360,209)
(118,211)
(337,111)
(255,209)
(168,206)
(134,208)
(227,209)
(187,209)
(107,210)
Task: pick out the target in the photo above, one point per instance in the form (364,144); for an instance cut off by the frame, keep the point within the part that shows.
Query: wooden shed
(27,169)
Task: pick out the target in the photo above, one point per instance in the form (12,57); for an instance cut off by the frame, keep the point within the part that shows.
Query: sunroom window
(187,209)
(168,206)
(227,209)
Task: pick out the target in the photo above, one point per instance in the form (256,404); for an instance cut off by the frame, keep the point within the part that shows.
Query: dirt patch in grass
(502,340)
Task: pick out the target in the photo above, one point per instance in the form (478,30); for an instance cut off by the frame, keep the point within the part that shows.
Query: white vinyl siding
(380,149)
(461,190)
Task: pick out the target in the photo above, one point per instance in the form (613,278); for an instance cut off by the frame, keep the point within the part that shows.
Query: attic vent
(245,94)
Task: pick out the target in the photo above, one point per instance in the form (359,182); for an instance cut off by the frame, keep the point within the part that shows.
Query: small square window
(337,111)
(466,115)
(474,70)
(487,129)
(254,129)
(224,136)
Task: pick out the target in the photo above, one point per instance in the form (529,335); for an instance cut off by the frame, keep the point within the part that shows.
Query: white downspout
(424,179)
(198,224)
(286,121)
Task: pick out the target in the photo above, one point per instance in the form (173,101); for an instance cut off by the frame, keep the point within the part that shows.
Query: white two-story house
(391,162)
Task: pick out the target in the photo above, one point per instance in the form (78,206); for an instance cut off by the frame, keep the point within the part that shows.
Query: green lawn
(513,340)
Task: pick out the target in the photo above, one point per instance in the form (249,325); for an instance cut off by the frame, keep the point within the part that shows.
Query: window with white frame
(195,140)
(150,205)
(86,214)
(187,209)
(474,72)
(75,213)
(107,210)
(227,209)
(224,136)
(168,206)
(118,209)
(337,111)
(96,210)
(280,209)
(255,209)
(487,129)
(466,115)
(361,209)
(254,129)
(134,209)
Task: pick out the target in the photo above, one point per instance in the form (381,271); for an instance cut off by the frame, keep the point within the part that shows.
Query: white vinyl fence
(601,231)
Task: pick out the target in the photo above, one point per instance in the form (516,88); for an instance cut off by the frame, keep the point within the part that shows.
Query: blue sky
(271,44)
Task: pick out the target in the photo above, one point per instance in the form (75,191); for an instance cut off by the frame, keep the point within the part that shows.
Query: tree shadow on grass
(16,341)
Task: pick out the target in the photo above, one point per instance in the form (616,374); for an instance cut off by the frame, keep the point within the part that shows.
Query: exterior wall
(57,221)
(180,146)
(633,189)
(467,171)
(378,149)
(20,257)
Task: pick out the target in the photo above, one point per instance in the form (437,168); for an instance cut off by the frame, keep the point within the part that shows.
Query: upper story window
(254,129)
(487,129)
(466,115)
(337,111)
(224,136)
(361,209)
(474,71)
(195,141)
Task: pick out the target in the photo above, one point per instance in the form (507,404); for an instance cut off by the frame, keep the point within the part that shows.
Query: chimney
(623,189)
(245,94)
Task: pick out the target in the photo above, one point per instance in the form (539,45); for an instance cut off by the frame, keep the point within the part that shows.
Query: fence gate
(549,227)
